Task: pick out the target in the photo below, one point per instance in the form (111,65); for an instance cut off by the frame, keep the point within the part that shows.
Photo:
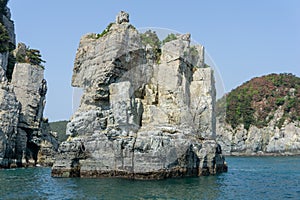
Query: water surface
(247,178)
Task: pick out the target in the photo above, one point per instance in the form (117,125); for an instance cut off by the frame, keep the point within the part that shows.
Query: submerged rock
(141,116)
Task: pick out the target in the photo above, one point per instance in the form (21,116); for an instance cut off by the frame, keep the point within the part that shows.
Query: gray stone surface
(9,117)
(3,65)
(9,25)
(30,88)
(137,117)
(25,136)
(269,140)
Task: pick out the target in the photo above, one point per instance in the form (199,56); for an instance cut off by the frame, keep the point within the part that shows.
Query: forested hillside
(256,101)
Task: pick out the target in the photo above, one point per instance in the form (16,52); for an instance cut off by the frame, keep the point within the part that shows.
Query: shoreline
(261,154)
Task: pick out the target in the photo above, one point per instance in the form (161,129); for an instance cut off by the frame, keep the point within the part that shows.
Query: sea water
(247,178)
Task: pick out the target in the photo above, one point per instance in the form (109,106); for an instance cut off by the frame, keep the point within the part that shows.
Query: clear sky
(246,39)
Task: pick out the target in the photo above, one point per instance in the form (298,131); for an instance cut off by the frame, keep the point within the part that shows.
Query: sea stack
(25,136)
(147,112)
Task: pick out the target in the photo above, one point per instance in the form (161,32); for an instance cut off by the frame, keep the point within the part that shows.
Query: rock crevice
(25,136)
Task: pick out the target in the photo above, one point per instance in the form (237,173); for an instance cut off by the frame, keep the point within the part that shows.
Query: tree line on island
(255,101)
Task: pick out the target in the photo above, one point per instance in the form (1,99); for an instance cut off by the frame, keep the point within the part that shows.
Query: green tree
(151,38)
(254,102)
(32,56)
(169,38)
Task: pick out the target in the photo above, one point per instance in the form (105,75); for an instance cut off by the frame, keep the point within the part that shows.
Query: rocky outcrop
(30,88)
(24,133)
(268,140)
(5,19)
(9,115)
(140,117)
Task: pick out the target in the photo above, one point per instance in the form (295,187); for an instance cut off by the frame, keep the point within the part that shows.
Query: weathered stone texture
(30,88)
(137,117)
(23,130)
(269,140)
(10,27)
(9,115)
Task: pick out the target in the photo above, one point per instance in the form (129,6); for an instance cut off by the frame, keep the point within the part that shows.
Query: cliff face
(23,130)
(262,117)
(141,116)
(269,140)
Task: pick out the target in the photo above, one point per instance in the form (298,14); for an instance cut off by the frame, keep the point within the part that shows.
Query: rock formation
(269,140)
(141,116)
(23,130)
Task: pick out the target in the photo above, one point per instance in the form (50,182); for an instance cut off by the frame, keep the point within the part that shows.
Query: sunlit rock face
(25,135)
(143,115)
(268,140)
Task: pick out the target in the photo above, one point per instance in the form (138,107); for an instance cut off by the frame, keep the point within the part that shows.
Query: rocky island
(147,112)
(262,117)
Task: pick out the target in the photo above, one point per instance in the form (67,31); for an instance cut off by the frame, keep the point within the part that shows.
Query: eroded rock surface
(24,133)
(140,117)
(23,129)
(269,140)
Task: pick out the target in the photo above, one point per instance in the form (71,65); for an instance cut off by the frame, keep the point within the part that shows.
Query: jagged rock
(9,24)
(20,51)
(48,145)
(10,139)
(23,131)
(30,88)
(122,17)
(33,131)
(137,117)
(269,140)
(3,66)
(4,56)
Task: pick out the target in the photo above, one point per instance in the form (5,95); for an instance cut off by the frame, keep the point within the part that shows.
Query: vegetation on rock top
(31,56)
(169,38)
(104,32)
(255,102)
(151,38)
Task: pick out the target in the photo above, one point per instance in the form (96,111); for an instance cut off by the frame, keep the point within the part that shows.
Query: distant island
(261,117)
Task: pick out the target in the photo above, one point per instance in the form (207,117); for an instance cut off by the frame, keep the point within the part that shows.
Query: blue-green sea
(247,178)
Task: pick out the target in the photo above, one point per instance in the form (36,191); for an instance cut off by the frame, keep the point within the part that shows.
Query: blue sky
(245,39)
